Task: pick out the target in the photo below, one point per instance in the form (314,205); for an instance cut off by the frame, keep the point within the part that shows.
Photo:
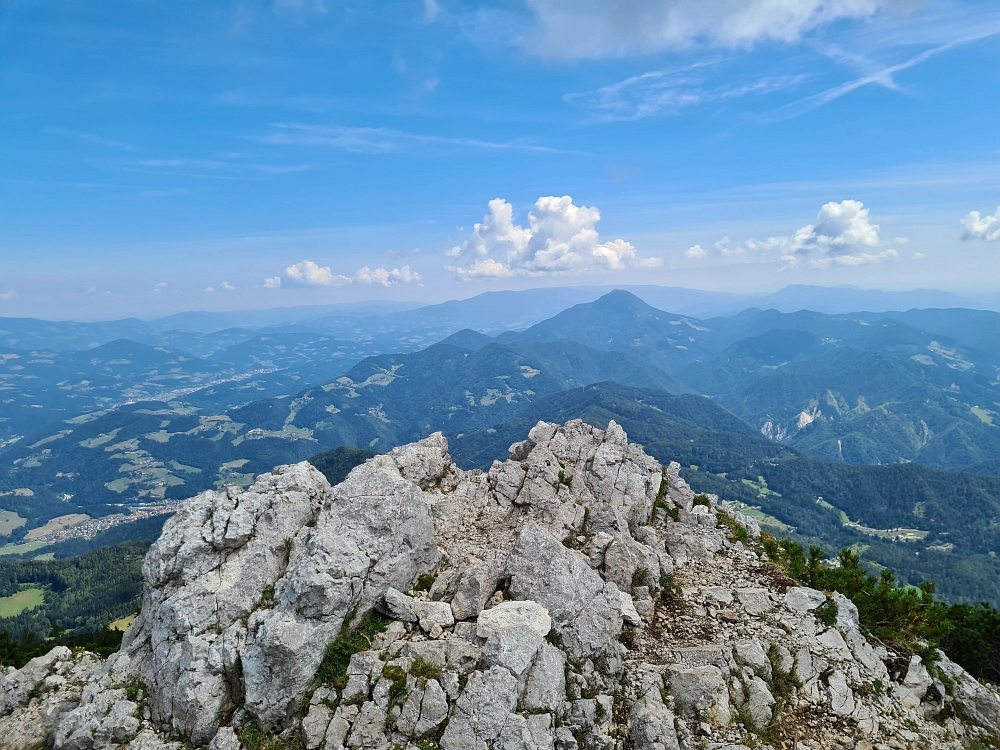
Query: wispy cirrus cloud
(672,90)
(382,140)
(879,75)
(226,168)
(92,139)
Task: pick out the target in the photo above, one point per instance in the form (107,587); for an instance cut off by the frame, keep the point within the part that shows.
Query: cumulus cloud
(843,235)
(386,277)
(227,286)
(160,287)
(839,227)
(8,295)
(560,238)
(308,273)
(609,28)
(981,227)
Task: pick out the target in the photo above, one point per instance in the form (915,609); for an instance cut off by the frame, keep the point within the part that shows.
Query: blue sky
(307,151)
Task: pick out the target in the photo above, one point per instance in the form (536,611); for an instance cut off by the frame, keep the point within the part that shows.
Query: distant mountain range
(815,421)
(390,323)
(858,388)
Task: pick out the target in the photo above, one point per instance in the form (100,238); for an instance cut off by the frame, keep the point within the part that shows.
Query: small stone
(628,610)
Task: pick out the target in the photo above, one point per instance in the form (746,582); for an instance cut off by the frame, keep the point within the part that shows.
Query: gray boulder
(545,689)
(482,710)
(585,610)
(514,631)
(701,693)
(651,725)
(374,532)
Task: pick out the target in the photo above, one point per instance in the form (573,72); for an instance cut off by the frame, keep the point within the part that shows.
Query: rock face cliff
(576,596)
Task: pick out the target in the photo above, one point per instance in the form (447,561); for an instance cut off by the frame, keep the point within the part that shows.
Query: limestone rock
(756,601)
(531,732)
(545,689)
(225,739)
(913,688)
(972,700)
(514,631)
(481,711)
(15,688)
(474,589)
(702,693)
(629,613)
(585,611)
(841,696)
(518,644)
(651,725)
(759,702)
(803,599)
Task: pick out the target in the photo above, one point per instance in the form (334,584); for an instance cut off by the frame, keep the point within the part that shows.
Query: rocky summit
(576,596)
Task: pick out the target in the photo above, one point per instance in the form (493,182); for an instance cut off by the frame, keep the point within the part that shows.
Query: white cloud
(160,287)
(208,289)
(308,273)
(227,286)
(979,227)
(431,10)
(386,277)
(669,91)
(608,28)
(883,76)
(381,140)
(8,295)
(843,235)
(91,290)
(859,259)
(839,226)
(725,248)
(560,238)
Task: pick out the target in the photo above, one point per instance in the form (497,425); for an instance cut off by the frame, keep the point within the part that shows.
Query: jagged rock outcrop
(576,596)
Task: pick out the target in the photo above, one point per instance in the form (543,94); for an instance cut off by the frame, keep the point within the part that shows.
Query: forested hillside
(82,593)
(921,522)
